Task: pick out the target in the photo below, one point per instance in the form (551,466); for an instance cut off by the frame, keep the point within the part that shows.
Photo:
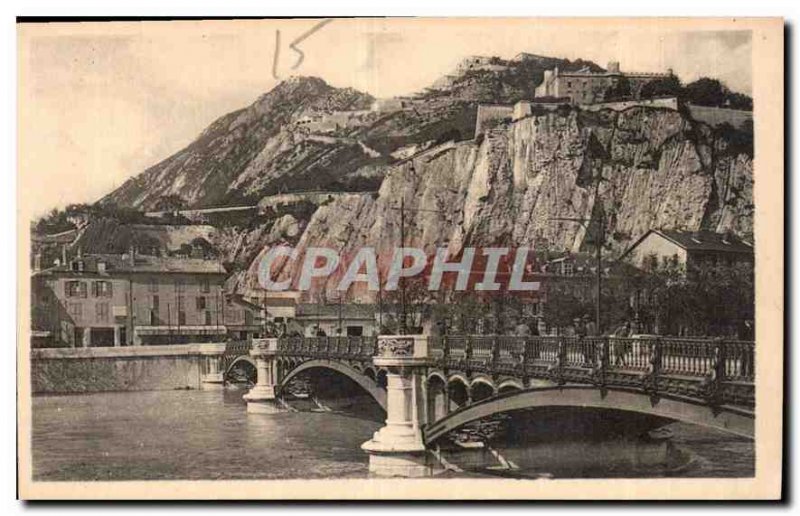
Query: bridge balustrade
(346,348)
(238,347)
(701,367)
(740,361)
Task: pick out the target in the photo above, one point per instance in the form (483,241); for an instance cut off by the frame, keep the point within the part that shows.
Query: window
(154,318)
(75,310)
(179,286)
(205,286)
(156,303)
(208,317)
(201,303)
(181,303)
(182,317)
(102,289)
(153,285)
(75,289)
(569,268)
(101,312)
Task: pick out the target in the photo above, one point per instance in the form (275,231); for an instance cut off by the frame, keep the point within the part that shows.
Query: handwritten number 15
(294,45)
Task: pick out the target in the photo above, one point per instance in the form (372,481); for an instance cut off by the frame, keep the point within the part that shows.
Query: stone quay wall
(135,368)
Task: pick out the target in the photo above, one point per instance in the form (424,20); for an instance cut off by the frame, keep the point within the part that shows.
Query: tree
(705,92)
(417,302)
(664,87)
(708,299)
(711,92)
(619,90)
(566,299)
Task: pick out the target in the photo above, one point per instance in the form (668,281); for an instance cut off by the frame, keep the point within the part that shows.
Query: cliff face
(638,169)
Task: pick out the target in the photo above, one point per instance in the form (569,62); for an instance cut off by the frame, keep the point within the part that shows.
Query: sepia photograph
(527,253)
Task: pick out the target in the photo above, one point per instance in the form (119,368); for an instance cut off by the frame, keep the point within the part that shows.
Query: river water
(209,435)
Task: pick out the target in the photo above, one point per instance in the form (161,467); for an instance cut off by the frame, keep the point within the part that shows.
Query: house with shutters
(129,299)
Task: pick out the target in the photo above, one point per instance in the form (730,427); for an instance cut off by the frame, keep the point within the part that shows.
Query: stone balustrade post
(212,376)
(262,398)
(398,448)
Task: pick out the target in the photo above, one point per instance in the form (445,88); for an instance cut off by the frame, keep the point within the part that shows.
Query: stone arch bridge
(430,386)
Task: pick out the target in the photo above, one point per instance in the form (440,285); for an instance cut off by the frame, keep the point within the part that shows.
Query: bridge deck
(716,371)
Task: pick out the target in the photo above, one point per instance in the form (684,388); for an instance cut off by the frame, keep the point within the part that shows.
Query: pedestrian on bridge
(522,329)
(589,326)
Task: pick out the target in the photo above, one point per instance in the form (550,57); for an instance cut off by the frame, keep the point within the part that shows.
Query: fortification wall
(524,108)
(667,102)
(716,116)
(489,115)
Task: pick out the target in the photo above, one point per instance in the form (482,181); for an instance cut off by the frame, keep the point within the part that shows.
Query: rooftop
(709,241)
(116,263)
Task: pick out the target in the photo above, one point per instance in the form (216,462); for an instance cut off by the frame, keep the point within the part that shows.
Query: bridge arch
(736,421)
(241,358)
(481,388)
(369,385)
(458,390)
(436,396)
(510,386)
(434,375)
(238,360)
(380,377)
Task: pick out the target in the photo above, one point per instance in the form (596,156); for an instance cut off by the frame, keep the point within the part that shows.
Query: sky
(100,102)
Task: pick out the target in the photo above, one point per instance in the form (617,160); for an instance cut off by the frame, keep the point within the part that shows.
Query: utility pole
(340,314)
(600,236)
(403,324)
(402,208)
(380,301)
(178,303)
(264,317)
(169,324)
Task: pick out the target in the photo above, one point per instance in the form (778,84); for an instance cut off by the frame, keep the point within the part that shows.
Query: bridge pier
(262,398)
(212,377)
(398,449)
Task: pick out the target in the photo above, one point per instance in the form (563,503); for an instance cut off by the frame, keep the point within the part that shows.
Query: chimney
(63,254)
(132,255)
(613,66)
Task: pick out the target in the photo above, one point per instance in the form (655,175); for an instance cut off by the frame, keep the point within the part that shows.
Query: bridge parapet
(342,348)
(714,370)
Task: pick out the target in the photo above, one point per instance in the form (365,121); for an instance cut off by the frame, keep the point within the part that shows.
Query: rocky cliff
(634,170)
